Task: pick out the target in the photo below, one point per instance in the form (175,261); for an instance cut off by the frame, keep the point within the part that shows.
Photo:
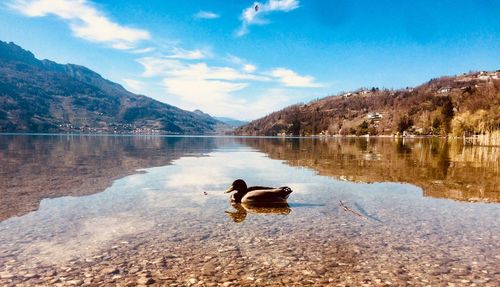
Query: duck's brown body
(258,194)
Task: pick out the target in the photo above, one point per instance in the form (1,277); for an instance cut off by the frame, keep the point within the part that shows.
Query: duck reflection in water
(242,209)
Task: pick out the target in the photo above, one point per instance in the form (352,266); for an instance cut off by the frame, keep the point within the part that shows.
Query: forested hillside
(43,96)
(468,104)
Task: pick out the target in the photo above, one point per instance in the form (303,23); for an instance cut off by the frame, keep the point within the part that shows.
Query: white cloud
(281,5)
(202,70)
(249,68)
(220,98)
(143,50)
(85,21)
(216,89)
(179,53)
(210,88)
(234,59)
(290,78)
(213,96)
(154,66)
(254,15)
(206,15)
(165,66)
(133,85)
(271,100)
(199,85)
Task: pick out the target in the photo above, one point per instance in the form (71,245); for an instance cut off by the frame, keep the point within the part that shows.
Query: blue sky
(229,59)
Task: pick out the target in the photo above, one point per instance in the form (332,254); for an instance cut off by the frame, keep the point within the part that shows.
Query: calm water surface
(96,210)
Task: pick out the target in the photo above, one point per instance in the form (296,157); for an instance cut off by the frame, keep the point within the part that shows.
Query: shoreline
(245,136)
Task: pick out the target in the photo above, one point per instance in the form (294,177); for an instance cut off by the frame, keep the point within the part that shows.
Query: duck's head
(238,185)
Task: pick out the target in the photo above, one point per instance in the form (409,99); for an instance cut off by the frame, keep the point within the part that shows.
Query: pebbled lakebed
(127,211)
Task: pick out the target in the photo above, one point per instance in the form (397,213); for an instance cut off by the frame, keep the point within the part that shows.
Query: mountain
(231,122)
(464,105)
(44,96)
(202,114)
(221,127)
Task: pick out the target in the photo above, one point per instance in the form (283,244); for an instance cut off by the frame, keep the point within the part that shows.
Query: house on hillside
(484,76)
(444,90)
(374,116)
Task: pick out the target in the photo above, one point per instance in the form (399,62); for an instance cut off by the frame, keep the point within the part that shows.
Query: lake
(126,210)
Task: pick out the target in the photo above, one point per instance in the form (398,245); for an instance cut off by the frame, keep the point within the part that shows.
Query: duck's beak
(231,188)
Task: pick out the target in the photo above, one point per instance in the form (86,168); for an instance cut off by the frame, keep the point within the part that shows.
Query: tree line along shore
(464,106)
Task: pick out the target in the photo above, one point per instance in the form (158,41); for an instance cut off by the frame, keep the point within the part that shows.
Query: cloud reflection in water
(72,227)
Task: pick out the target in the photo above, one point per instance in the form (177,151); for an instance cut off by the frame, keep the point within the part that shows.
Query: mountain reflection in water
(33,167)
(37,167)
(443,169)
(167,215)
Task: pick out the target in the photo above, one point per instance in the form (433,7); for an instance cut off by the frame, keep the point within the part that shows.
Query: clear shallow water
(162,213)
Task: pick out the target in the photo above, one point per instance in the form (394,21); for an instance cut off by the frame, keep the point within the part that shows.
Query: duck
(257,195)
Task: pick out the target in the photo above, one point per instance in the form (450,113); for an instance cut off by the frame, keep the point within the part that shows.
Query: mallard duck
(257,195)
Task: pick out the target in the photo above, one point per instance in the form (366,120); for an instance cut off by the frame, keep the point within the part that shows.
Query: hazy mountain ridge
(467,104)
(231,122)
(44,96)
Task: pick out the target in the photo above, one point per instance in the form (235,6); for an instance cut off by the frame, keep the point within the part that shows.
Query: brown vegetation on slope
(443,169)
(468,104)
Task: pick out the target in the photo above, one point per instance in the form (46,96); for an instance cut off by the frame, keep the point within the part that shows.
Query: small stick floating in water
(347,209)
